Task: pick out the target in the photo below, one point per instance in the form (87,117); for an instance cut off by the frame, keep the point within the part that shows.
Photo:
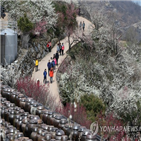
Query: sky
(138,1)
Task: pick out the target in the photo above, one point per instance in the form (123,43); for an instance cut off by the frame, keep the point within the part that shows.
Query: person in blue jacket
(49,66)
(45,76)
(52,64)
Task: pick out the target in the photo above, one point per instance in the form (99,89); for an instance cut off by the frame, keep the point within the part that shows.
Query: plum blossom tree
(37,10)
(78,113)
(37,91)
(40,27)
(70,21)
(111,128)
(67,19)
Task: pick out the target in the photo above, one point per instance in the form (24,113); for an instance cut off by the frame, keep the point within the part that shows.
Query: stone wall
(24,64)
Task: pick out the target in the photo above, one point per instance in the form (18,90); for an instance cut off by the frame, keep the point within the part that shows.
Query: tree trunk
(25,39)
(116,48)
(69,42)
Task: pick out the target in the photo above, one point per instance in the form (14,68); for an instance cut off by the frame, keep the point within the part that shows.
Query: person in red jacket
(49,46)
(51,75)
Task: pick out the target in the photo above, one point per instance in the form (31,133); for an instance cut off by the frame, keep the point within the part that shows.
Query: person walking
(58,48)
(80,25)
(57,57)
(83,25)
(49,66)
(63,48)
(51,75)
(49,46)
(45,76)
(55,61)
(53,64)
(36,65)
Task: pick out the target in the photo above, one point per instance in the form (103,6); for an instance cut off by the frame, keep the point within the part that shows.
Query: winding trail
(43,63)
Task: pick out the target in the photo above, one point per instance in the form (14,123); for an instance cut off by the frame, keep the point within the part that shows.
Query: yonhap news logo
(94,128)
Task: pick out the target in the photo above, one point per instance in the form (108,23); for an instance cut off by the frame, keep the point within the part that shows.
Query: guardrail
(8,24)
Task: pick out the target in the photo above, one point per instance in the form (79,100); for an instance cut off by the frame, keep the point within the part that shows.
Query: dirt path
(43,63)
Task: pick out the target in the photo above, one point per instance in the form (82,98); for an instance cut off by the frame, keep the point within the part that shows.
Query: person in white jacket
(58,48)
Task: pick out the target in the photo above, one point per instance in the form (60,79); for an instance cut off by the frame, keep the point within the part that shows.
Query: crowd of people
(52,63)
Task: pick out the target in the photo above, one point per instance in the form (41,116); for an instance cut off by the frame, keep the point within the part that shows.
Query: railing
(8,24)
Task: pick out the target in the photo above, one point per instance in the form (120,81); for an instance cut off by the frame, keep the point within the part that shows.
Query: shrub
(93,105)
(24,24)
(60,7)
(132,116)
(79,114)
(38,92)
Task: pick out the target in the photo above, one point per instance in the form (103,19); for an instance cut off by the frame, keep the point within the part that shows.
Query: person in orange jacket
(51,75)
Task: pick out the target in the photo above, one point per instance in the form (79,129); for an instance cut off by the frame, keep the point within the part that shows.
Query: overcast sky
(138,1)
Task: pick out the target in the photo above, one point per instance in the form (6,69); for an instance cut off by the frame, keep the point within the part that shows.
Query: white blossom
(35,10)
(69,1)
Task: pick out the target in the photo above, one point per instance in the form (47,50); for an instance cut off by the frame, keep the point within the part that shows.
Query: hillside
(106,66)
(116,80)
(126,12)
